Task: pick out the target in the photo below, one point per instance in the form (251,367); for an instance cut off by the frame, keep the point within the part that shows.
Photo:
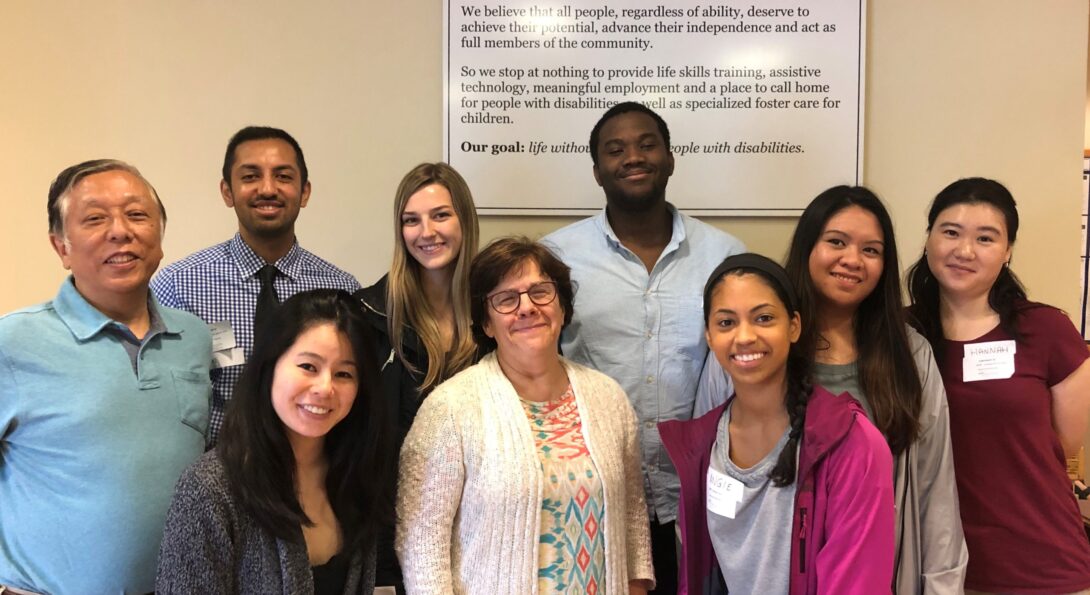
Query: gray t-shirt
(753,548)
(840,378)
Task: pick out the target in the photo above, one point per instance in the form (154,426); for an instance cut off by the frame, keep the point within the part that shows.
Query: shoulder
(194,261)
(1044,328)
(844,439)
(922,352)
(863,438)
(452,411)
(208,469)
(462,389)
(1036,313)
(337,278)
(374,296)
(204,517)
(704,236)
(204,482)
(924,357)
(834,420)
(845,427)
(577,232)
(916,342)
(26,321)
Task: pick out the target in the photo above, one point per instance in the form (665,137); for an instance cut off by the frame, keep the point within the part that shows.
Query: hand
(639,587)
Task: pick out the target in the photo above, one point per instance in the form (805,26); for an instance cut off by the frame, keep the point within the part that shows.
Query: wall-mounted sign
(764,99)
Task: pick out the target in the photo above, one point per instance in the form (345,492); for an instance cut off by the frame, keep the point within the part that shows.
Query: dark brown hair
(254,447)
(799,362)
(887,369)
(1007,293)
(502,257)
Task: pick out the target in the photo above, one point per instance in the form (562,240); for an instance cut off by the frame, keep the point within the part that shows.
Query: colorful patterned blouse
(572,552)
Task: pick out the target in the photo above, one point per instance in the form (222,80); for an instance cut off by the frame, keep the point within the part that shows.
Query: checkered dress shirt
(220,283)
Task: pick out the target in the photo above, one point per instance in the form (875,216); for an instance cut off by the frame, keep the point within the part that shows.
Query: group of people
(632,404)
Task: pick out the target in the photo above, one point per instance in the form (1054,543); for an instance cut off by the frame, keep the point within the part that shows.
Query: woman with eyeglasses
(522,472)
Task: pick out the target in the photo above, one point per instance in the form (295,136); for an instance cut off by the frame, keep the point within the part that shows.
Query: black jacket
(400,386)
(399,389)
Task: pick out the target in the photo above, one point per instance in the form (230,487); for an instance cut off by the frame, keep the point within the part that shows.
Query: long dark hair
(254,447)
(1007,293)
(887,370)
(799,361)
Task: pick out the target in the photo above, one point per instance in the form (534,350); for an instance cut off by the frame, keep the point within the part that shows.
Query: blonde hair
(404,291)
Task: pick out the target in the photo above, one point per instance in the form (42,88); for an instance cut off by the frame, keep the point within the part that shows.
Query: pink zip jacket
(842,533)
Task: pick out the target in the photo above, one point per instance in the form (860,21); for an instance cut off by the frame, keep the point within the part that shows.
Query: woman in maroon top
(1018,383)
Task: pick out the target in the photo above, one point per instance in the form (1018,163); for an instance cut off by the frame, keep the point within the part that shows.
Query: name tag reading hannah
(724,493)
(993,360)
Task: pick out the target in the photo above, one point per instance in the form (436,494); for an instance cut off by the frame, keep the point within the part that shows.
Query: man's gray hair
(61,188)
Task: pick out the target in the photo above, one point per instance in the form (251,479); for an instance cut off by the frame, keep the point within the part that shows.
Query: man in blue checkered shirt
(265,182)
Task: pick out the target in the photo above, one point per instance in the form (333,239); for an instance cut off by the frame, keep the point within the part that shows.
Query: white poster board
(764,99)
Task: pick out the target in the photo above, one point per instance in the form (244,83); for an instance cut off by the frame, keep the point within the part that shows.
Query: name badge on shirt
(223,335)
(225,351)
(993,360)
(724,493)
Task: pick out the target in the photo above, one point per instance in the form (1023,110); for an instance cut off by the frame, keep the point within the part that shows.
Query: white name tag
(223,336)
(724,493)
(993,360)
(234,356)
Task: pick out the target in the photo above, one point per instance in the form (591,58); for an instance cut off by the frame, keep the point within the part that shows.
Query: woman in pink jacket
(785,488)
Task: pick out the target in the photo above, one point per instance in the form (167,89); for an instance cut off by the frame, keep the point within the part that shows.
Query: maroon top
(1022,523)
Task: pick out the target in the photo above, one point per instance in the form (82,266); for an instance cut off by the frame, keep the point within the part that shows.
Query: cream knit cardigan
(470,489)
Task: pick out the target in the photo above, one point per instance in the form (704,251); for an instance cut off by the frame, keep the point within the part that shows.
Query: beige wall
(1086,137)
(994,88)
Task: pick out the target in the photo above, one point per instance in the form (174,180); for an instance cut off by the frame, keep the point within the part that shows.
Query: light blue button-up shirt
(646,331)
(91,447)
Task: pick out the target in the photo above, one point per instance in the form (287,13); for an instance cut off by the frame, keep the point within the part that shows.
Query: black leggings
(664,556)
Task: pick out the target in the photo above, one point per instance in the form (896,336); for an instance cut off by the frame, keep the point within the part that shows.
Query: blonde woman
(420,309)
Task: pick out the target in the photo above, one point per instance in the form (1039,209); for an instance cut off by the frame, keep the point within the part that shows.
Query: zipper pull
(802,540)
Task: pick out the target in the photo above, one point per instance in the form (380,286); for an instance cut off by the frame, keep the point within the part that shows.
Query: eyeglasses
(506,302)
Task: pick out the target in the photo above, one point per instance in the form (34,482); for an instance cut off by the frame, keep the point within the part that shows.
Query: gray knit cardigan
(469,497)
(211,546)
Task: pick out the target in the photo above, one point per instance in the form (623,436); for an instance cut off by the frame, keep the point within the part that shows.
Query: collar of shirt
(85,321)
(249,263)
(677,234)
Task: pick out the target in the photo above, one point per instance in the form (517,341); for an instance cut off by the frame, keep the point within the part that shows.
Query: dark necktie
(266,300)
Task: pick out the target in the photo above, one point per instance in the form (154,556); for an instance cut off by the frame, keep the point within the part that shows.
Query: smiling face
(847,261)
(265,189)
(634,163)
(431,228)
(315,383)
(967,248)
(750,331)
(112,239)
(531,331)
